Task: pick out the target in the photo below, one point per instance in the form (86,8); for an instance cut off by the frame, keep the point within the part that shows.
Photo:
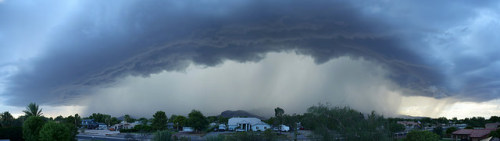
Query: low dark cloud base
(105,42)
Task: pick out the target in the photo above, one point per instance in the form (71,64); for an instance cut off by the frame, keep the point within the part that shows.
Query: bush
(143,128)
(162,136)
(245,136)
(220,137)
(269,135)
(421,136)
(128,130)
(56,132)
(12,133)
(31,128)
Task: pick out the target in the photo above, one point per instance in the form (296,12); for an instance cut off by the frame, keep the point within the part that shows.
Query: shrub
(143,128)
(12,133)
(56,132)
(128,130)
(162,136)
(31,128)
(421,136)
(220,137)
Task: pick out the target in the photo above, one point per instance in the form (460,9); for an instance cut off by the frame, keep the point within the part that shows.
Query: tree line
(327,123)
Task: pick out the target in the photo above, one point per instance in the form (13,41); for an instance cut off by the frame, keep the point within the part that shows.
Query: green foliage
(421,136)
(143,128)
(12,133)
(220,137)
(159,121)
(31,128)
(245,136)
(162,136)
(278,114)
(438,130)
(494,119)
(128,119)
(143,120)
(450,130)
(269,135)
(59,118)
(6,119)
(113,121)
(197,120)
(212,119)
(98,117)
(475,121)
(396,127)
(333,122)
(33,110)
(442,120)
(74,120)
(179,121)
(469,127)
(133,130)
(495,133)
(52,131)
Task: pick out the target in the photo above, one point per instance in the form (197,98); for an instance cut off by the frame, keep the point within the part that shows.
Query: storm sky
(422,58)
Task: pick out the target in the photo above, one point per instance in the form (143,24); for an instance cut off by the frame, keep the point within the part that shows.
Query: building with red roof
(472,134)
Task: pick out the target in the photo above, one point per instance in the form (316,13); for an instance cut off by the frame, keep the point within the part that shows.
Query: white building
(187,129)
(247,124)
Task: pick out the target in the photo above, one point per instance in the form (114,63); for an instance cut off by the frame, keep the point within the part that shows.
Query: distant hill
(238,113)
(410,117)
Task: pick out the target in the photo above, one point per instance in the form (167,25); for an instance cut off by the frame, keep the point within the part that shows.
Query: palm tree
(32,110)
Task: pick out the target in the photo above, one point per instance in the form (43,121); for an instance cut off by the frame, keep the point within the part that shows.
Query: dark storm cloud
(101,41)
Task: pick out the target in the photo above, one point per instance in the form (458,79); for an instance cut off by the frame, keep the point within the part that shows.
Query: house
(187,129)
(89,124)
(246,124)
(170,125)
(492,125)
(125,125)
(471,134)
(102,126)
(409,125)
(261,126)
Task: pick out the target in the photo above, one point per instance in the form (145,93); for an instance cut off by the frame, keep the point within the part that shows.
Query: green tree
(77,121)
(6,119)
(197,120)
(495,133)
(143,120)
(179,121)
(159,121)
(98,117)
(128,119)
(33,110)
(396,127)
(59,118)
(211,119)
(52,131)
(31,128)
(450,130)
(113,121)
(439,131)
(421,136)
(333,122)
(278,113)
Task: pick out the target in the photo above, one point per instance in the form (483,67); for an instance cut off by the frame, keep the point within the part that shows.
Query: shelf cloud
(56,53)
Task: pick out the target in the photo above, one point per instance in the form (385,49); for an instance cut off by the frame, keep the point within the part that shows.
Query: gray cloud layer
(96,42)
